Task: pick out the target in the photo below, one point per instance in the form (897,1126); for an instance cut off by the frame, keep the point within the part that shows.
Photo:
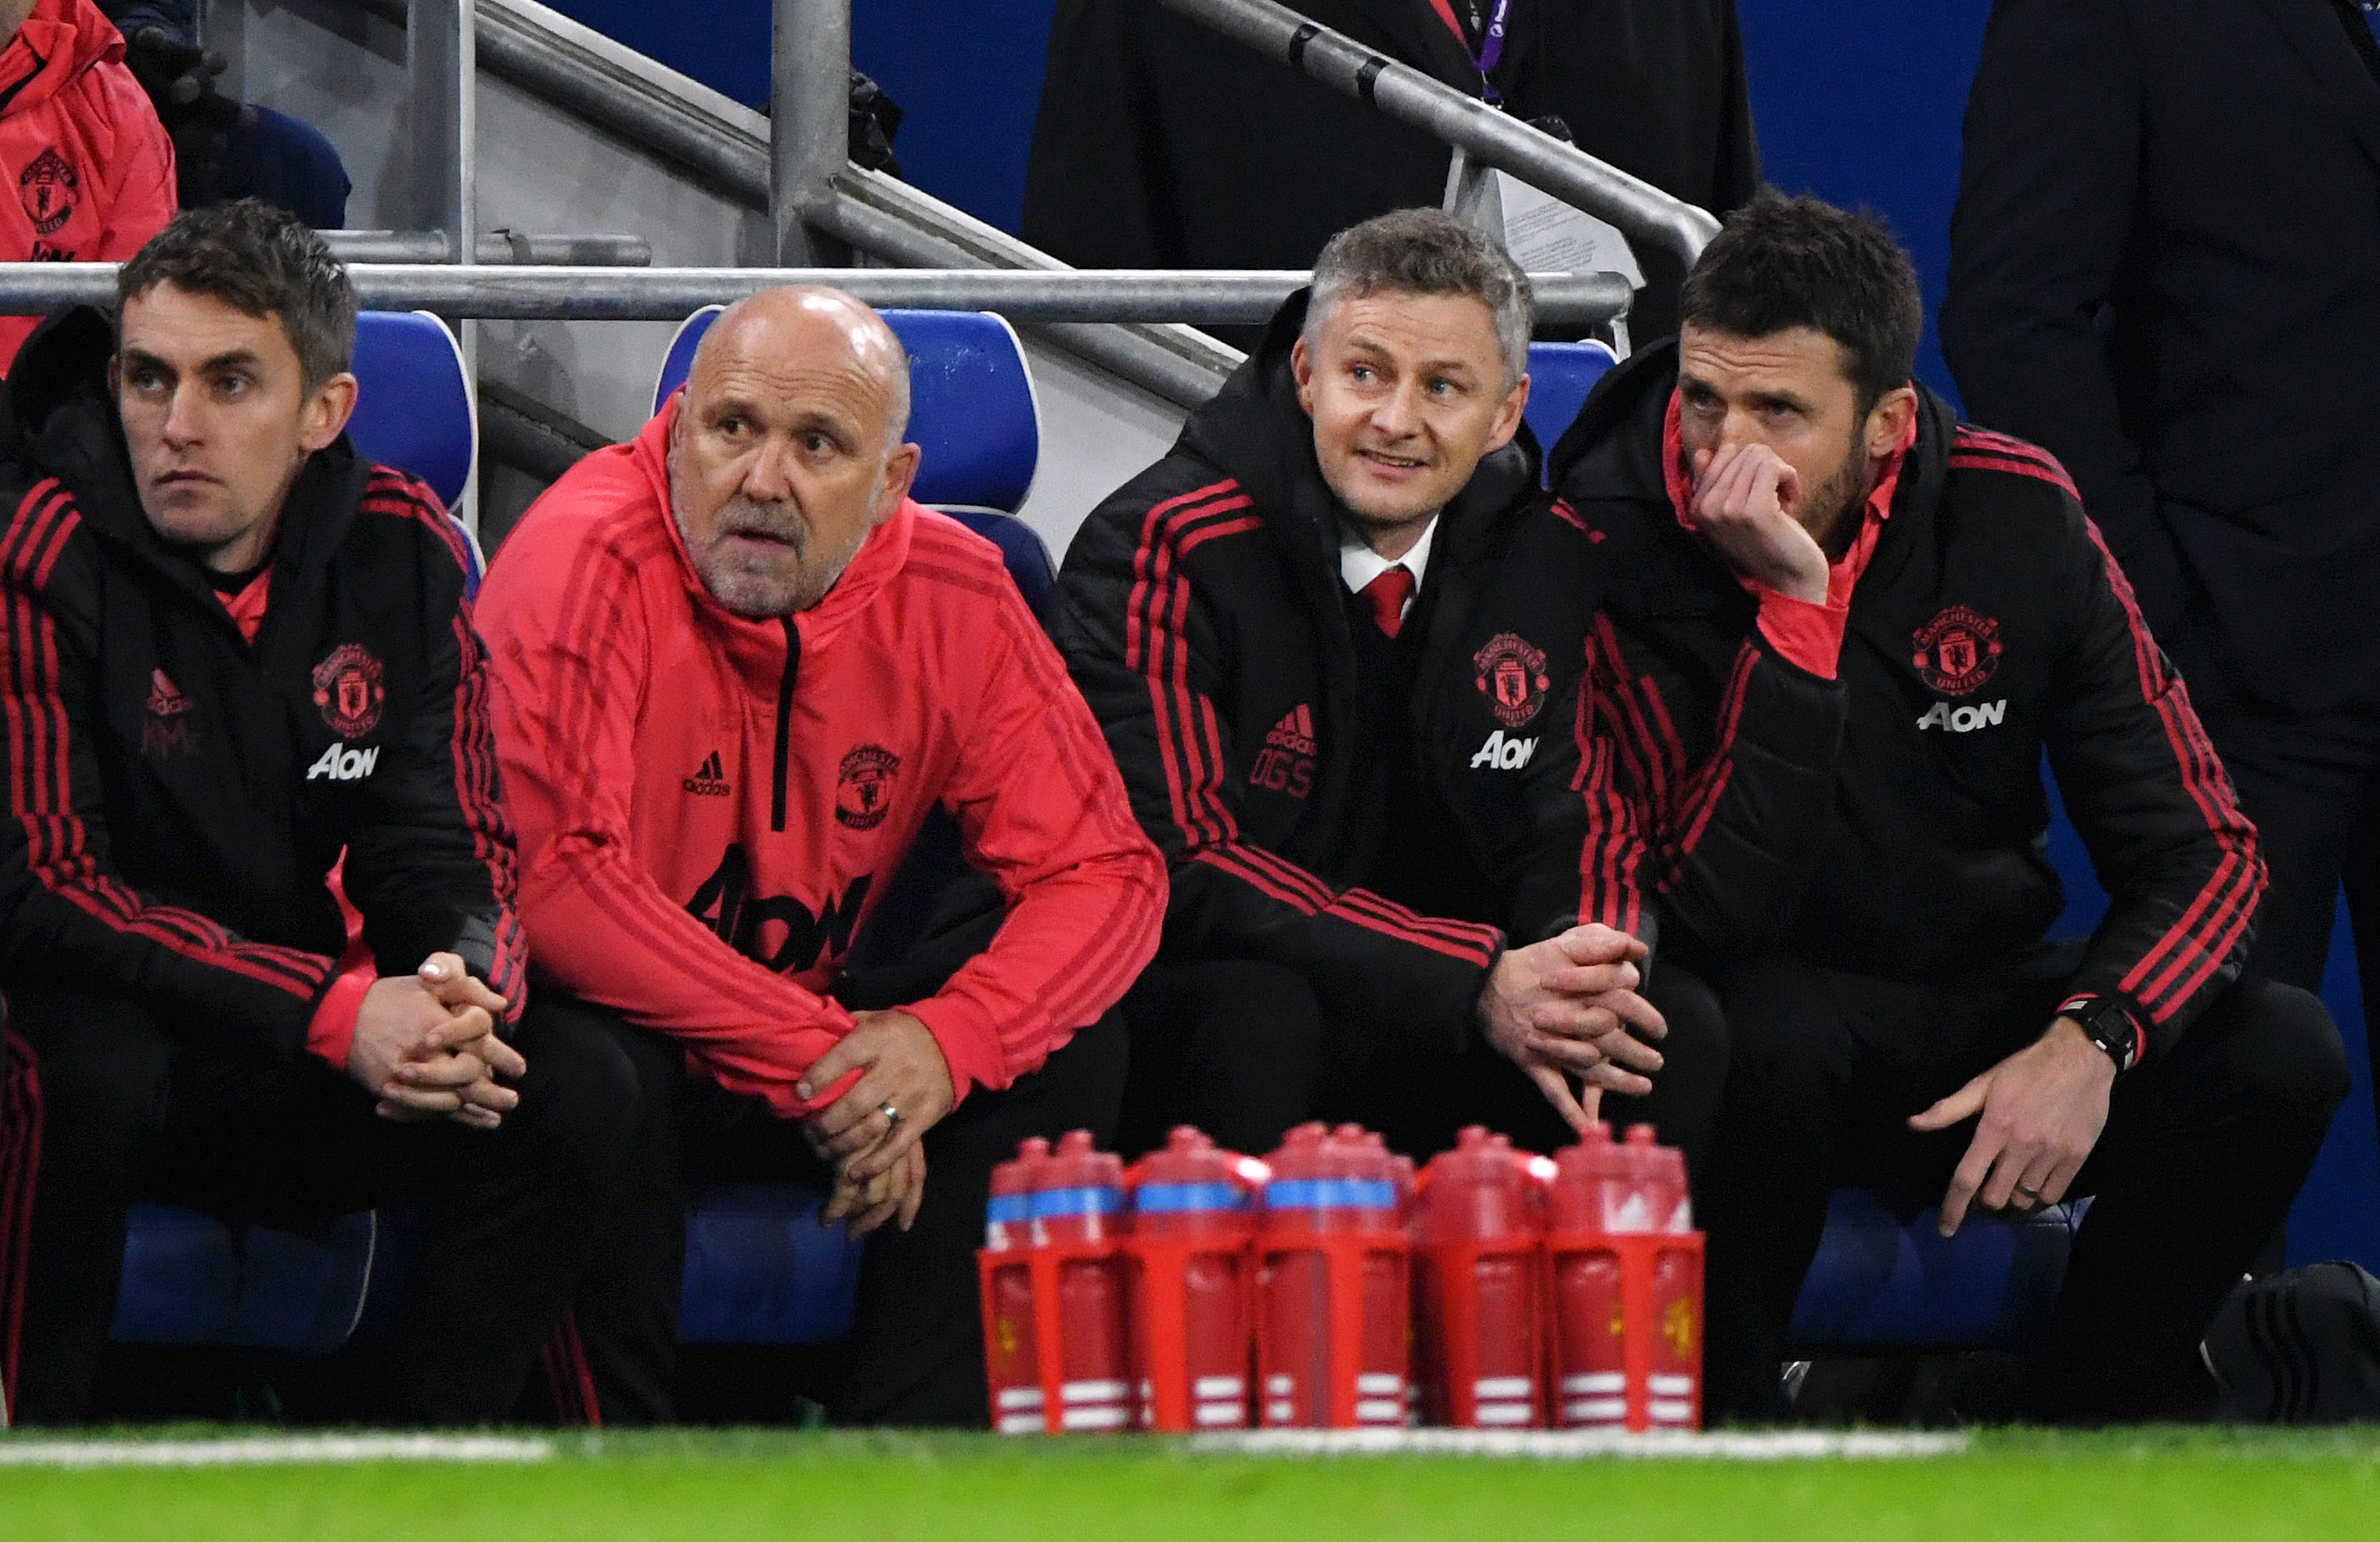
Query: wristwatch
(2110,1025)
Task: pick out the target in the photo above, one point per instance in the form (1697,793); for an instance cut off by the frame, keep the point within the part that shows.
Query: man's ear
(1508,415)
(116,374)
(899,474)
(326,412)
(1888,420)
(1301,369)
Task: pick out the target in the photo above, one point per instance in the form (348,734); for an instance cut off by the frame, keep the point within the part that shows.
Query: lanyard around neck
(1491,43)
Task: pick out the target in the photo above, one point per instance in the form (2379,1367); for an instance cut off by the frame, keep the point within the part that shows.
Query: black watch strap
(2111,1025)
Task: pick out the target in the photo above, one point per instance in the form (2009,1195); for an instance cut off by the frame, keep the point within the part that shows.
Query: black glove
(875,119)
(180,80)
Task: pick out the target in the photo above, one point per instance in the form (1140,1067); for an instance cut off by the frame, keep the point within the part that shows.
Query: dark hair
(260,261)
(1783,262)
(1426,251)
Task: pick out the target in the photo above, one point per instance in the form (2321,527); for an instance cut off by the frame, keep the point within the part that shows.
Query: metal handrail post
(809,121)
(441,45)
(1498,138)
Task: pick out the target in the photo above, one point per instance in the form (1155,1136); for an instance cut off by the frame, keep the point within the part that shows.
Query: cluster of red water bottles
(1328,1286)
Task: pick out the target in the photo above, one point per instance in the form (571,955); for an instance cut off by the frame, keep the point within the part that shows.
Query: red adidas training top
(708,807)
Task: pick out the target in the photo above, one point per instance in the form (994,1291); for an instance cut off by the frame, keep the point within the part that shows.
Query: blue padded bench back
(1560,375)
(413,409)
(1881,1284)
(759,1269)
(972,409)
(190,1278)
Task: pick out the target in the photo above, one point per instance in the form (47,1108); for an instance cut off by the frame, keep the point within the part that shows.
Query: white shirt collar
(1359,564)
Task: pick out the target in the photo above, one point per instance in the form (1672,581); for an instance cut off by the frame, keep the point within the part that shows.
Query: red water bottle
(1627,1289)
(1674,1379)
(1004,1271)
(1478,1233)
(1076,1210)
(1332,1324)
(1591,1188)
(1193,1268)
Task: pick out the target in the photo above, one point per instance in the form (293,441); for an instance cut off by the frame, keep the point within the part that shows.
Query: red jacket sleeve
(139,177)
(569,669)
(1043,811)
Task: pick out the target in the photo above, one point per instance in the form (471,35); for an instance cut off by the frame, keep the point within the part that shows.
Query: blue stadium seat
(1560,375)
(414,408)
(190,1278)
(972,409)
(1881,1284)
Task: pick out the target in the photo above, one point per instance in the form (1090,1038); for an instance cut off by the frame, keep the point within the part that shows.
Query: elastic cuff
(969,1041)
(332,1034)
(1809,636)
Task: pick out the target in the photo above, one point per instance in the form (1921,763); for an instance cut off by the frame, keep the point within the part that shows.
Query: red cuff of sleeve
(332,1034)
(970,1041)
(1806,635)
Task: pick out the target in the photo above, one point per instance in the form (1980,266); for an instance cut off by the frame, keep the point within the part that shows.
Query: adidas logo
(709,779)
(164,700)
(1293,733)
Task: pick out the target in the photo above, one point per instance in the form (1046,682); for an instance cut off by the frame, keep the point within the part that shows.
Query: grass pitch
(726,1486)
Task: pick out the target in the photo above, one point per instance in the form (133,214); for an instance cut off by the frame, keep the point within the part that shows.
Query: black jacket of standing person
(1163,144)
(2165,270)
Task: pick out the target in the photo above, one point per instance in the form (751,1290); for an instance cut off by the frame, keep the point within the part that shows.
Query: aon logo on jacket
(1965,719)
(343,763)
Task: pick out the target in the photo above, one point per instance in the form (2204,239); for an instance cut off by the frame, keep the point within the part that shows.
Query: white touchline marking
(1577,1444)
(270,1452)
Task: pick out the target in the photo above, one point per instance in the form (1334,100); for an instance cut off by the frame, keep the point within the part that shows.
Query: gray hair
(1426,251)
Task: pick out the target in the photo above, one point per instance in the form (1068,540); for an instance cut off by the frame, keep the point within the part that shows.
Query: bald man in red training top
(79,144)
(735,670)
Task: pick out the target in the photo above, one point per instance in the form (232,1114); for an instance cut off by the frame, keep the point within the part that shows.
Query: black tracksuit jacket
(177,795)
(1891,821)
(1203,615)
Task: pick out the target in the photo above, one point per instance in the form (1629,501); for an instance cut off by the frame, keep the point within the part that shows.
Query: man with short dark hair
(737,669)
(1847,631)
(242,686)
(1335,640)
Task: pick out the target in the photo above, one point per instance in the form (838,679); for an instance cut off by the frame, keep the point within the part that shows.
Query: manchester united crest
(863,791)
(48,188)
(1512,675)
(347,687)
(1957,650)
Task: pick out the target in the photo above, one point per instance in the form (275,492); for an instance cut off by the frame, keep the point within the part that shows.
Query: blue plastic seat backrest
(972,409)
(414,409)
(1560,375)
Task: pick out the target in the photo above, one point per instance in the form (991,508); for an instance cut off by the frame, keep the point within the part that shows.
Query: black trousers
(1242,1049)
(916,1350)
(2312,786)
(2203,1149)
(128,1110)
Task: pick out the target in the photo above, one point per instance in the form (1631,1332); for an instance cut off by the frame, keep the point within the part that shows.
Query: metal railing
(494,247)
(1068,295)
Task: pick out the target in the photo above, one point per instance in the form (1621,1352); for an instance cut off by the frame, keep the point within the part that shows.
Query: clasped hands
(873,1134)
(1569,1006)
(426,1046)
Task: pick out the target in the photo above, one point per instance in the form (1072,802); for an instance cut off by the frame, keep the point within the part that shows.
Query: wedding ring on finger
(891,1115)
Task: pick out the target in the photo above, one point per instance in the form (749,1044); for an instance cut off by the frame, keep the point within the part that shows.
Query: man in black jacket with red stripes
(1841,633)
(1335,641)
(240,682)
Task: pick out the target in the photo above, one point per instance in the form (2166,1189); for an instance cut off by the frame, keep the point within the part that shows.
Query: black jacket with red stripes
(1202,612)
(178,796)
(1890,821)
